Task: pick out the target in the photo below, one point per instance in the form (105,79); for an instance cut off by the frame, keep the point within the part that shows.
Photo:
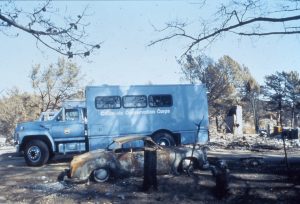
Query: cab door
(69,126)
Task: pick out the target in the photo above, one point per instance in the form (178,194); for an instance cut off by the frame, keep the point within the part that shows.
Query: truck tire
(36,153)
(164,139)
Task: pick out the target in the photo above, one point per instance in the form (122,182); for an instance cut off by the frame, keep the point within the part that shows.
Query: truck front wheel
(36,153)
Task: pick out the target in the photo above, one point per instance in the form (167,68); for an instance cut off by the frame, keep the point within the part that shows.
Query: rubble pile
(2,141)
(251,142)
(252,161)
(46,187)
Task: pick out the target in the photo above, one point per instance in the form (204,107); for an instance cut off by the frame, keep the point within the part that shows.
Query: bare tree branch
(243,18)
(67,39)
(269,33)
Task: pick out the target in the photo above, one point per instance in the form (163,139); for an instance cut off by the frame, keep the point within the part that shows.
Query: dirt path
(256,177)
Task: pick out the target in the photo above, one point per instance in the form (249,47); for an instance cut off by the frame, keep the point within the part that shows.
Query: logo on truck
(67,131)
(133,112)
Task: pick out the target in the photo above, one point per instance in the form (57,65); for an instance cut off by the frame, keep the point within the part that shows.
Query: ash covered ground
(258,174)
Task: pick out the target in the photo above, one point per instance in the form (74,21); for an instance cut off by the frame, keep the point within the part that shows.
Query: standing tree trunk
(293,117)
(280,113)
(217,124)
(255,117)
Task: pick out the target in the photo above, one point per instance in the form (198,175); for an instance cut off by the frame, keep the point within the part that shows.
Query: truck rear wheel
(36,153)
(164,139)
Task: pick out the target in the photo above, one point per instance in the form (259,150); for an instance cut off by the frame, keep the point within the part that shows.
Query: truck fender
(39,136)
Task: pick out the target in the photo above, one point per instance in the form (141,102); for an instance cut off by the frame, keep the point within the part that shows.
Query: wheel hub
(34,153)
(101,175)
(164,142)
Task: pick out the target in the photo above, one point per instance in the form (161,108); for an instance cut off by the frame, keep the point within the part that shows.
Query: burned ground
(258,174)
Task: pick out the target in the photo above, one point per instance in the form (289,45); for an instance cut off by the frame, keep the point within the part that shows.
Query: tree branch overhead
(63,35)
(243,18)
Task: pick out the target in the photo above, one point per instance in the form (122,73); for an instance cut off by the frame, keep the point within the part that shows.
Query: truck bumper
(17,146)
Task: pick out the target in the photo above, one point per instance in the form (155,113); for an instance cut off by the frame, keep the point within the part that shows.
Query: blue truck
(167,113)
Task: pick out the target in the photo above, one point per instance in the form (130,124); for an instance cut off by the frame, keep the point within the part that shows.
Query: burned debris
(221,173)
(150,170)
(125,157)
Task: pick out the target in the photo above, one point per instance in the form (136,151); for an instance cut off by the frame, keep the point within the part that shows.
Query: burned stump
(150,174)
(221,174)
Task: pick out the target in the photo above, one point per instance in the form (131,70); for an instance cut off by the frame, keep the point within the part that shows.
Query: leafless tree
(241,18)
(56,83)
(59,32)
(251,93)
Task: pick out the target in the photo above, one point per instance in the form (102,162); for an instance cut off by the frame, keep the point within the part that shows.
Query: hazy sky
(126,28)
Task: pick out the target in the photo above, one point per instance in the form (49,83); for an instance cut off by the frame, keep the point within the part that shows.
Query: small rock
(108,194)
(175,198)
(121,197)
(87,183)
(158,199)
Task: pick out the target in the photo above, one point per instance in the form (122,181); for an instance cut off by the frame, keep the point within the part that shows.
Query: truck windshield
(45,116)
(70,115)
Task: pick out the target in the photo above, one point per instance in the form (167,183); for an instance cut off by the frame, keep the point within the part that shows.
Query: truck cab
(64,132)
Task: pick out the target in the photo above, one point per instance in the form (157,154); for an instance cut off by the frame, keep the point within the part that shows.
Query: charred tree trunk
(293,117)
(150,174)
(255,115)
(280,114)
(217,124)
(221,173)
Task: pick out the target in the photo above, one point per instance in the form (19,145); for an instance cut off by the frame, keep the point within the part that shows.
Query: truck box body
(186,107)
